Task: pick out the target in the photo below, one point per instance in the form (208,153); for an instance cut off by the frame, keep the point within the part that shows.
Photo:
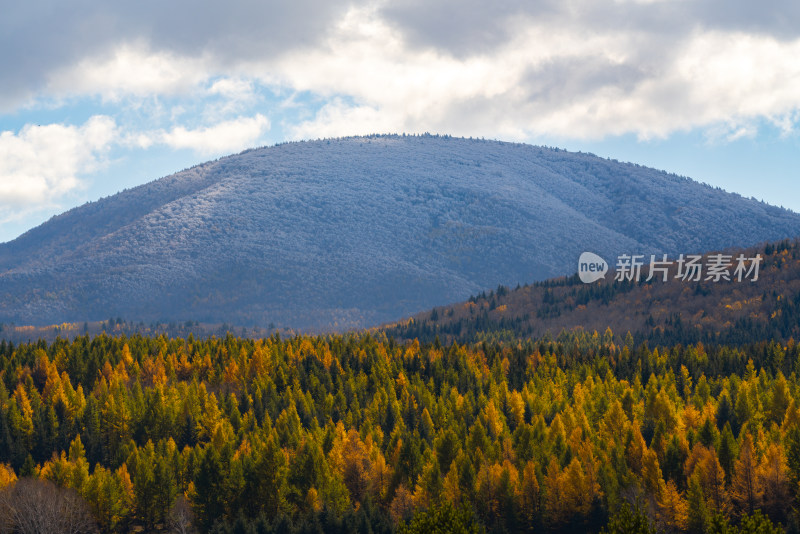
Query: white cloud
(49,46)
(220,138)
(730,131)
(737,74)
(513,70)
(130,70)
(565,80)
(786,122)
(233,89)
(41,164)
(229,96)
(336,118)
(397,87)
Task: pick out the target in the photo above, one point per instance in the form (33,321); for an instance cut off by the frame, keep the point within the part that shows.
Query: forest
(359,433)
(656,312)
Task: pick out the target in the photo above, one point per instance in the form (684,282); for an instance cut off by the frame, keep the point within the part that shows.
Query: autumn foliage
(335,432)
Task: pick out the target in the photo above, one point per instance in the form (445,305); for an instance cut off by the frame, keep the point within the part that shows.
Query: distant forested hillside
(675,311)
(361,434)
(355,232)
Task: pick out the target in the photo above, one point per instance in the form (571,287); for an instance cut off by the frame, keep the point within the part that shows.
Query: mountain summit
(358,231)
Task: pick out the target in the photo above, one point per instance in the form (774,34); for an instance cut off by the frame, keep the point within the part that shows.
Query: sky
(97,97)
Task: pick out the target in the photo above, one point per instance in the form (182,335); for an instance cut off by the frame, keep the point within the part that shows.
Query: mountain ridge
(356,231)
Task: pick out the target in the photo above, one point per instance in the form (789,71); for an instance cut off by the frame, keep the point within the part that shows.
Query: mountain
(763,308)
(358,231)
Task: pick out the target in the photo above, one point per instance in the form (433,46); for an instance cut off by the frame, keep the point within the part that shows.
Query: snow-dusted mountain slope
(357,231)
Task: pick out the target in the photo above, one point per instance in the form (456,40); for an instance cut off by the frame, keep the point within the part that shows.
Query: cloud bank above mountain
(583,68)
